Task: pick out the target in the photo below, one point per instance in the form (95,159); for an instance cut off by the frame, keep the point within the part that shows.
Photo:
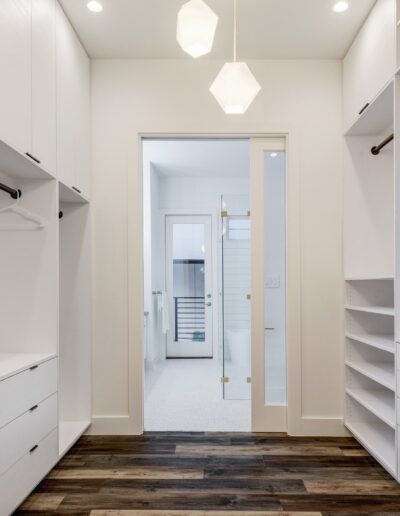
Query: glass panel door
(236,289)
(189,286)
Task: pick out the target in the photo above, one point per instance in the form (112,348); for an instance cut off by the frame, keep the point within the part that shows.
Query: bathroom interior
(197,283)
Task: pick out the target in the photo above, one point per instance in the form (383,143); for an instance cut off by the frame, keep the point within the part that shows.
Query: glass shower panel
(274,278)
(236,296)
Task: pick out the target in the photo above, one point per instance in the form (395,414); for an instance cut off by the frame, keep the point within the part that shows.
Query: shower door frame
(296,423)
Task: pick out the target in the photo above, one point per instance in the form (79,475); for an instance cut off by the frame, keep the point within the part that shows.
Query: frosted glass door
(189,286)
(236,276)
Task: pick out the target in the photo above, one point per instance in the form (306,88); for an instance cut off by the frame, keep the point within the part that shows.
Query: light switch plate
(273,282)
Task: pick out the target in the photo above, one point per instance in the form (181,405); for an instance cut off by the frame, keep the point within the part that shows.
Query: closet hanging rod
(15,194)
(377,149)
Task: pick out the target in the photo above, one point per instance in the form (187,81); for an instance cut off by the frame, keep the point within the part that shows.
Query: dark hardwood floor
(201,474)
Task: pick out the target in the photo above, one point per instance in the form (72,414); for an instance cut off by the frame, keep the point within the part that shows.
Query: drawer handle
(32,157)
(34,448)
(33,408)
(33,367)
(364,108)
(76,189)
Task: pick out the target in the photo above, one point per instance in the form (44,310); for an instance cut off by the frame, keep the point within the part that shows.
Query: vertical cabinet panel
(73,104)
(15,66)
(371,61)
(44,83)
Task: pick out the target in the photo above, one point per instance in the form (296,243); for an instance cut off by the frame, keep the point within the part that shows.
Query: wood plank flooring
(203,474)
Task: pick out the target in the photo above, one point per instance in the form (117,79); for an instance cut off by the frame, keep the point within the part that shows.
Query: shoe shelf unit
(369,263)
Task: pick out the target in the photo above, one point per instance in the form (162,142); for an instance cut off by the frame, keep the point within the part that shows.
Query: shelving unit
(369,261)
(75,317)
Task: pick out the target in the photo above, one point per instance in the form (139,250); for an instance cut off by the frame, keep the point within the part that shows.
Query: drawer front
(17,483)
(19,436)
(24,390)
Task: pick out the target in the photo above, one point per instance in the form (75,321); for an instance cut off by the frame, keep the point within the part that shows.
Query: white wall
(302,98)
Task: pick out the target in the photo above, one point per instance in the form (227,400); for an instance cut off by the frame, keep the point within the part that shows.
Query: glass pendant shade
(235,88)
(196,28)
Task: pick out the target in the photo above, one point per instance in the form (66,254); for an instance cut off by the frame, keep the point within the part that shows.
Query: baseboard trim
(314,427)
(113,425)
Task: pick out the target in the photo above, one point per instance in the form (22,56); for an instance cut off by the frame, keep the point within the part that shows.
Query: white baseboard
(113,425)
(314,426)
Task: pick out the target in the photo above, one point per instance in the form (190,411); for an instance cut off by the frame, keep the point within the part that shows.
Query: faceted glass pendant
(235,88)
(196,28)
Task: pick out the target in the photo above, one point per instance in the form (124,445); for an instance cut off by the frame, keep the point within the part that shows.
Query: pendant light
(235,87)
(196,28)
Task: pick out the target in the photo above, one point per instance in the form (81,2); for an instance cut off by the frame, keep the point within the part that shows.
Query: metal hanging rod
(15,194)
(377,149)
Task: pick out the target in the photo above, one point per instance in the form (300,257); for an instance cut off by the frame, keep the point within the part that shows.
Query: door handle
(208,304)
(270,329)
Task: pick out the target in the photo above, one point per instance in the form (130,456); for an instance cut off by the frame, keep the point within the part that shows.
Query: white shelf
(382,372)
(18,165)
(382,342)
(380,402)
(68,194)
(376,438)
(380,310)
(378,116)
(13,363)
(369,278)
(70,432)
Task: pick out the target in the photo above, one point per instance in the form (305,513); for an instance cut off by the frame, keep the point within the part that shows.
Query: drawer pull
(34,448)
(33,408)
(32,157)
(76,189)
(364,108)
(33,367)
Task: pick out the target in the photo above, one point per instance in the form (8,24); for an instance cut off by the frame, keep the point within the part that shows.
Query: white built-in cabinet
(371,223)
(45,295)
(73,104)
(370,62)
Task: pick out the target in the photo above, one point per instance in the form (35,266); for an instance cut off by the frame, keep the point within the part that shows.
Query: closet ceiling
(267,29)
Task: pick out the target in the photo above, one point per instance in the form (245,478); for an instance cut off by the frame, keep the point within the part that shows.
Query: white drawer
(19,436)
(22,391)
(17,483)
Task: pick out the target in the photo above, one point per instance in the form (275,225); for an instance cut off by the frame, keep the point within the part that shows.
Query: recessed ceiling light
(94,6)
(341,6)
(273,154)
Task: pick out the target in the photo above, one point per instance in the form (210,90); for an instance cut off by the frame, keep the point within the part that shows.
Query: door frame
(209,319)
(296,422)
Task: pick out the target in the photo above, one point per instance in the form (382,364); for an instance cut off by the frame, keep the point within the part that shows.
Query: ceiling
(198,158)
(267,29)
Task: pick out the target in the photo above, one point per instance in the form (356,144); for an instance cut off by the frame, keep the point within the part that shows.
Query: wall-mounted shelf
(380,310)
(380,372)
(380,402)
(68,194)
(382,342)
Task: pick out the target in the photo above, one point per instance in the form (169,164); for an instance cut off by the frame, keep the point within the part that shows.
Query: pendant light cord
(234,29)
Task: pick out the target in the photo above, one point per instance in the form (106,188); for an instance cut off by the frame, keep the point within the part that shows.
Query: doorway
(189,286)
(200,331)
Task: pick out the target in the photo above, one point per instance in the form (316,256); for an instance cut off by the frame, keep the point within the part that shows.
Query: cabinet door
(371,60)
(66,107)
(15,66)
(82,148)
(44,83)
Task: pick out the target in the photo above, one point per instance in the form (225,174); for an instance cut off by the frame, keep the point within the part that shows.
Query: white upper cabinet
(44,83)
(370,62)
(73,107)
(15,66)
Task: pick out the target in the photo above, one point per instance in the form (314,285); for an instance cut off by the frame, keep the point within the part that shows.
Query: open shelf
(15,164)
(369,278)
(381,372)
(377,437)
(380,310)
(383,342)
(69,195)
(378,116)
(69,433)
(380,402)
(13,363)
